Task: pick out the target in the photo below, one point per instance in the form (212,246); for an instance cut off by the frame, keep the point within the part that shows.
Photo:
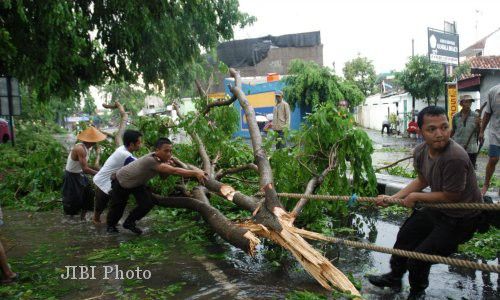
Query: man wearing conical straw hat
(78,196)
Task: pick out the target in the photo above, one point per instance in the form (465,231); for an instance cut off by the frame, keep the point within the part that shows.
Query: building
(489,45)
(260,93)
(485,73)
(484,59)
(269,54)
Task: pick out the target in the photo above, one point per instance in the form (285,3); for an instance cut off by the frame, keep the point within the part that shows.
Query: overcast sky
(380,30)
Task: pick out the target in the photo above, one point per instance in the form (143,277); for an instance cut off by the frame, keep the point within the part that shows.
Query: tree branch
(123,121)
(393,164)
(236,236)
(222,173)
(246,202)
(202,93)
(226,191)
(314,183)
(218,103)
(272,206)
(202,151)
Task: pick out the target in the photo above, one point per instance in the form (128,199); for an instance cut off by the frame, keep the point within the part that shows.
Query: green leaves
(59,48)
(311,85)
(145,251)
(32,172)
(422,79)
(361,72)
(483,245)
(326,130)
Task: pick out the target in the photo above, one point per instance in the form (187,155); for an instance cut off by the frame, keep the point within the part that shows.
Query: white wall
(492,45)
(374,111)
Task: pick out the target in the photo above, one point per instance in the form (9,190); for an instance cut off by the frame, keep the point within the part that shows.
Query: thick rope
(473,206)
(410,254)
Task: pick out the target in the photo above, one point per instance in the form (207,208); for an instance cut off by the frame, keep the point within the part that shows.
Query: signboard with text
(443,47)
(10,99)
(452,101)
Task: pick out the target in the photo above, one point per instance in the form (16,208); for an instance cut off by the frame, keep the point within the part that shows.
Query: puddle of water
(236,275)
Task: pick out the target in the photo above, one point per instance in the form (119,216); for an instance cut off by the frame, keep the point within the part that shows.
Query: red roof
(484,62)
(469,81)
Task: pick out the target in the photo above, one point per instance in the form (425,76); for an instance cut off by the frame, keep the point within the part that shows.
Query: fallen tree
(270,219)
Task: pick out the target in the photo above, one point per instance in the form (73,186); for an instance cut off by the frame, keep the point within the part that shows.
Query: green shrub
(32,171)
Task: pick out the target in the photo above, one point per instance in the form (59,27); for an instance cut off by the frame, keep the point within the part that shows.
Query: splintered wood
(313,262)
(227,191)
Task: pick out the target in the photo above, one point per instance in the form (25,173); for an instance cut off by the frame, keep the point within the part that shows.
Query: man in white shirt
(121,157)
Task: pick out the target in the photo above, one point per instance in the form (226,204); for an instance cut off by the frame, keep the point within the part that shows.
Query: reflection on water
(224,272)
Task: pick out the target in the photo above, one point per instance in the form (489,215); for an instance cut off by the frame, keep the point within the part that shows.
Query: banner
(452,101)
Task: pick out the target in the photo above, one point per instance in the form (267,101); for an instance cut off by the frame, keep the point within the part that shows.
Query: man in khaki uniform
(281,118)
(465,128)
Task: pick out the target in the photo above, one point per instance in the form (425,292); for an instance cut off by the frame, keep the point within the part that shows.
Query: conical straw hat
(91,135)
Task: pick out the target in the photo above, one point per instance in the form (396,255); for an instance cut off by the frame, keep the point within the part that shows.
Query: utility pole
(446,88)
(412,97)
(448,27)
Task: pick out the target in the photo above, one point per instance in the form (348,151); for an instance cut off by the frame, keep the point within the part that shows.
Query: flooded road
(204,269)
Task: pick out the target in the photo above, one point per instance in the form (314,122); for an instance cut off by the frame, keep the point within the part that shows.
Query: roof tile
(484,62)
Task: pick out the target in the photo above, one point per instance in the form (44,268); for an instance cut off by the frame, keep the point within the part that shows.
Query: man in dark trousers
(122,156)
(445,167)
(281,119)
(77,192)
(132,179)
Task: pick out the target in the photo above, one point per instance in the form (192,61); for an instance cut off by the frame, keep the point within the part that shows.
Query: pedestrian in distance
(386,124)
(492,117)
(445,167)
(132,179)
(121,157)
(77,192)
(281,118)
(466,127)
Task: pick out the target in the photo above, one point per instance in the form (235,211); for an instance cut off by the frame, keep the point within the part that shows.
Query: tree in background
(89,106)
(132,97)
(309,85)
(60,48)
(50,111)
(352,93)
(462,70)
(422,79)
(361,72)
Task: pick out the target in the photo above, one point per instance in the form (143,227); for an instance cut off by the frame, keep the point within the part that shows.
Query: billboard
(452,101)
(443,47)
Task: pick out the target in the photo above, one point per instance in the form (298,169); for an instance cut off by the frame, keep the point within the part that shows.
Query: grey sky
(380,30)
